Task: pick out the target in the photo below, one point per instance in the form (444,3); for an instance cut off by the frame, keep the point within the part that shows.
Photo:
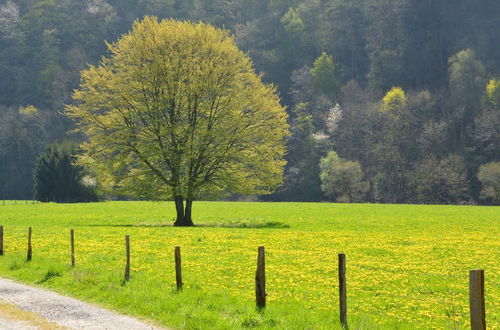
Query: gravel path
(62,311)
(12,317)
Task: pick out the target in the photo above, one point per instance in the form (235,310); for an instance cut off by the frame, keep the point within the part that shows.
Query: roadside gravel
(59,310)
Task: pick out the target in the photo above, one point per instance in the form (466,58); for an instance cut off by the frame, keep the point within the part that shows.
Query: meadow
(407,265)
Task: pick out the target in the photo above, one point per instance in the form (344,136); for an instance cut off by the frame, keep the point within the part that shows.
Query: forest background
(391,101)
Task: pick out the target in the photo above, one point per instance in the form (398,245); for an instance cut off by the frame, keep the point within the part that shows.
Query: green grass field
(407,266)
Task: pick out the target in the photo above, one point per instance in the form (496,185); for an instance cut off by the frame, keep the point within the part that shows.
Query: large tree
(177,111)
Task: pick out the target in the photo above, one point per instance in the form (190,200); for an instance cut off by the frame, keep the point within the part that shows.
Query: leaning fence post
(260,279)
(1,240)
(178,270)
(476,299)
(72,238)
(127,265)
(28,257)
(342,290)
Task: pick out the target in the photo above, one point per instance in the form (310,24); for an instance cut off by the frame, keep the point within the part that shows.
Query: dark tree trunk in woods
(183,215)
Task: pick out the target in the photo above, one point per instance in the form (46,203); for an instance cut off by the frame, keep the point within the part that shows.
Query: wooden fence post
(1,240)
(178,269)
(29,255)
(260,279)
(342,290)
(127,265)
(72,238)
(476,298)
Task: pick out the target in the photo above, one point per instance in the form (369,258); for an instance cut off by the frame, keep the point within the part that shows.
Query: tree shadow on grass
(252,225)
(235,224)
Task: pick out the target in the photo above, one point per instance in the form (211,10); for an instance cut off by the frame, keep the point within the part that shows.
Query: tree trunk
(183,215)
(349,194)
(187,214)
(179,208)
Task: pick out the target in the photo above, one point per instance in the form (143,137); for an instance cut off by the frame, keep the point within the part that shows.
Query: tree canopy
(177,111)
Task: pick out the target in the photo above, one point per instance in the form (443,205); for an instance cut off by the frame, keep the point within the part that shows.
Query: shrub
(58,179)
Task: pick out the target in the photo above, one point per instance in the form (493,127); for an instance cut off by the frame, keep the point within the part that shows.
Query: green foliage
(342,33)
(493,94)
(342,180)
(486,133)
(489,175)
(324,79)
(23,133)
(394,150)
(443,181)
(394,101)
(292,21)
(58,179)
(467,82)
(302,174)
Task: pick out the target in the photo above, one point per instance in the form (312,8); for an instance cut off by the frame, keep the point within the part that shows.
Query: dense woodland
(391,101)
